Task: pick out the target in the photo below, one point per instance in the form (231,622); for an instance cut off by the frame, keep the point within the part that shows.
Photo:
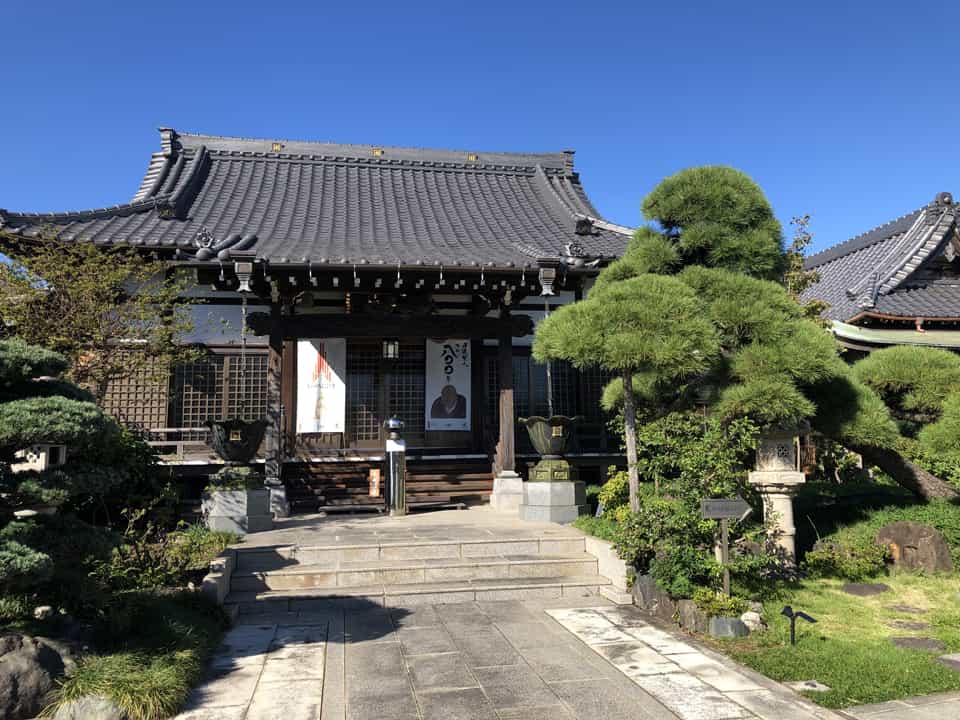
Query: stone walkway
(512,660)
(942,706)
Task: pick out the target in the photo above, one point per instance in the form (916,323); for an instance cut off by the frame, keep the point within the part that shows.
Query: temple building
(375,282)
(898,284)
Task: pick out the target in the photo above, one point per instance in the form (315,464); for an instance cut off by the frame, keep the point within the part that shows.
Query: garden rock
(918,643)
(90,707)
(916,546)
(909,625)
(727,627)
(753,621)
(909,609)
(951,661)
(648,596)
(808,686)
(29,668)
(865,589)
(691,617)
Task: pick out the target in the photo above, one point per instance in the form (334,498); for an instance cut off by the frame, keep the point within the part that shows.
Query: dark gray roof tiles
(296,202)
(876,273)
(935,300)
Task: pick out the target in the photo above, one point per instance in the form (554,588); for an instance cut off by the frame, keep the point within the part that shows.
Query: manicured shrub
(715,604)
(603,528)
(851,559)
(913,381)
(615,492)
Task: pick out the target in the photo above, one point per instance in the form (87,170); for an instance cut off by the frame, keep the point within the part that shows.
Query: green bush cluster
(720,605)
(853,559)
(691,457)
(152,558)
(152,653)
(851,552)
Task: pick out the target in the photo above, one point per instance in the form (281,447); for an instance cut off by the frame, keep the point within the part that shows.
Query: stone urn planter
(552,492)
(550,435)
(236,440)
(236,499)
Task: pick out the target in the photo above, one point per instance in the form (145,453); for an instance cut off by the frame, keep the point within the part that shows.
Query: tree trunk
(908,474)
(630,436)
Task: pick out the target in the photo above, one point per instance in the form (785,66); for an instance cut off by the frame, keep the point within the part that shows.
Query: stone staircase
(395,574)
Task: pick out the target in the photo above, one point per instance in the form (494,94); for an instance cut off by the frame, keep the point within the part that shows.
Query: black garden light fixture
(391,349)
(789,612)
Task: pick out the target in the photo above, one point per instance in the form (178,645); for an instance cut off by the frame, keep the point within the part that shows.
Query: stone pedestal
(553,470)
(777,487)
(507,492)
(560,501)
(279,505)
(237,511)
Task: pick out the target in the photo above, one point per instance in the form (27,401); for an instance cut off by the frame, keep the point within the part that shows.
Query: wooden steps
(342,485)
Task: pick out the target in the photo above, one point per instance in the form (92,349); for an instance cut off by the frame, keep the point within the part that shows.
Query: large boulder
(916,546)
(29,669)
(90,707)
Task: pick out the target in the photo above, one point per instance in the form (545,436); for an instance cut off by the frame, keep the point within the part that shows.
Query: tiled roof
(322,203)
(877,272)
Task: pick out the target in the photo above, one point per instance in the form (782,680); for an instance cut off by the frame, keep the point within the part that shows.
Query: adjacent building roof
(894,271)
(294,203)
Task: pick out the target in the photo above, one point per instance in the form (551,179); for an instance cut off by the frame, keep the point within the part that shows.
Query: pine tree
(693,313)
(37,409)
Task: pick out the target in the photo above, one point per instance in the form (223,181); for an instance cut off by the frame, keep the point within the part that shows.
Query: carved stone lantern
(777,479)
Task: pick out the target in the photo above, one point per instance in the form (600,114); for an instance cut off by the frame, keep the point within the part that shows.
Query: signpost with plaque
(725,510)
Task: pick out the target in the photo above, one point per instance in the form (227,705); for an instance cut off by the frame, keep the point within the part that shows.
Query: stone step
(332,555)
(378,595)
(396,572)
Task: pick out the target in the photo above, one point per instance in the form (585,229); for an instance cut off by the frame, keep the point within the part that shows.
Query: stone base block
(279,506)
(553,470)
(507,492)
(240,524)
(555,501)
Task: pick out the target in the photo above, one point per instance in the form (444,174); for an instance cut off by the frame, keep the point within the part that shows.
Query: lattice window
(407,388)
(198,394)
(363,391)
(141,398)
(246,391)
(594,380)
(521,386)
(210,389)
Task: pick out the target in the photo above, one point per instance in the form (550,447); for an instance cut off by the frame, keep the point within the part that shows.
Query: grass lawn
(849,648)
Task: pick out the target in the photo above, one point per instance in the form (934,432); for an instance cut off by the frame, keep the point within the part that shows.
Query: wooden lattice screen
(407,380)
(140,399)
(210,388)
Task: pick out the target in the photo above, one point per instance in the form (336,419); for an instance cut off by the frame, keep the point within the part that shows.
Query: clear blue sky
(845,110)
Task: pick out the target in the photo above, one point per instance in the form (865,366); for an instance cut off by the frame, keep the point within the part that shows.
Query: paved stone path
(512,660)
(942,706)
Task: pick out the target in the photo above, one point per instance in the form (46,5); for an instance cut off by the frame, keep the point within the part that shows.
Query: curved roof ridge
(555,160)
(863,240)
(577,213)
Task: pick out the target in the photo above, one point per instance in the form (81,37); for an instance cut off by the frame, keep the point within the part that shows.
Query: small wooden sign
(723,508)
(374,478)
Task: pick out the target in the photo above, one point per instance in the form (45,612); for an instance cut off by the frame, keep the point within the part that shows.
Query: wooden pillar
(288,397)
(273,438)
(506,453)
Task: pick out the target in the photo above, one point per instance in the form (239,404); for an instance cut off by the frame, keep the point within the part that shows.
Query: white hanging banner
(448,385)
(321,385)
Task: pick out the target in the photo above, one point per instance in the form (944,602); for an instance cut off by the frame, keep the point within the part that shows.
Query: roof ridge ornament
(204,238)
